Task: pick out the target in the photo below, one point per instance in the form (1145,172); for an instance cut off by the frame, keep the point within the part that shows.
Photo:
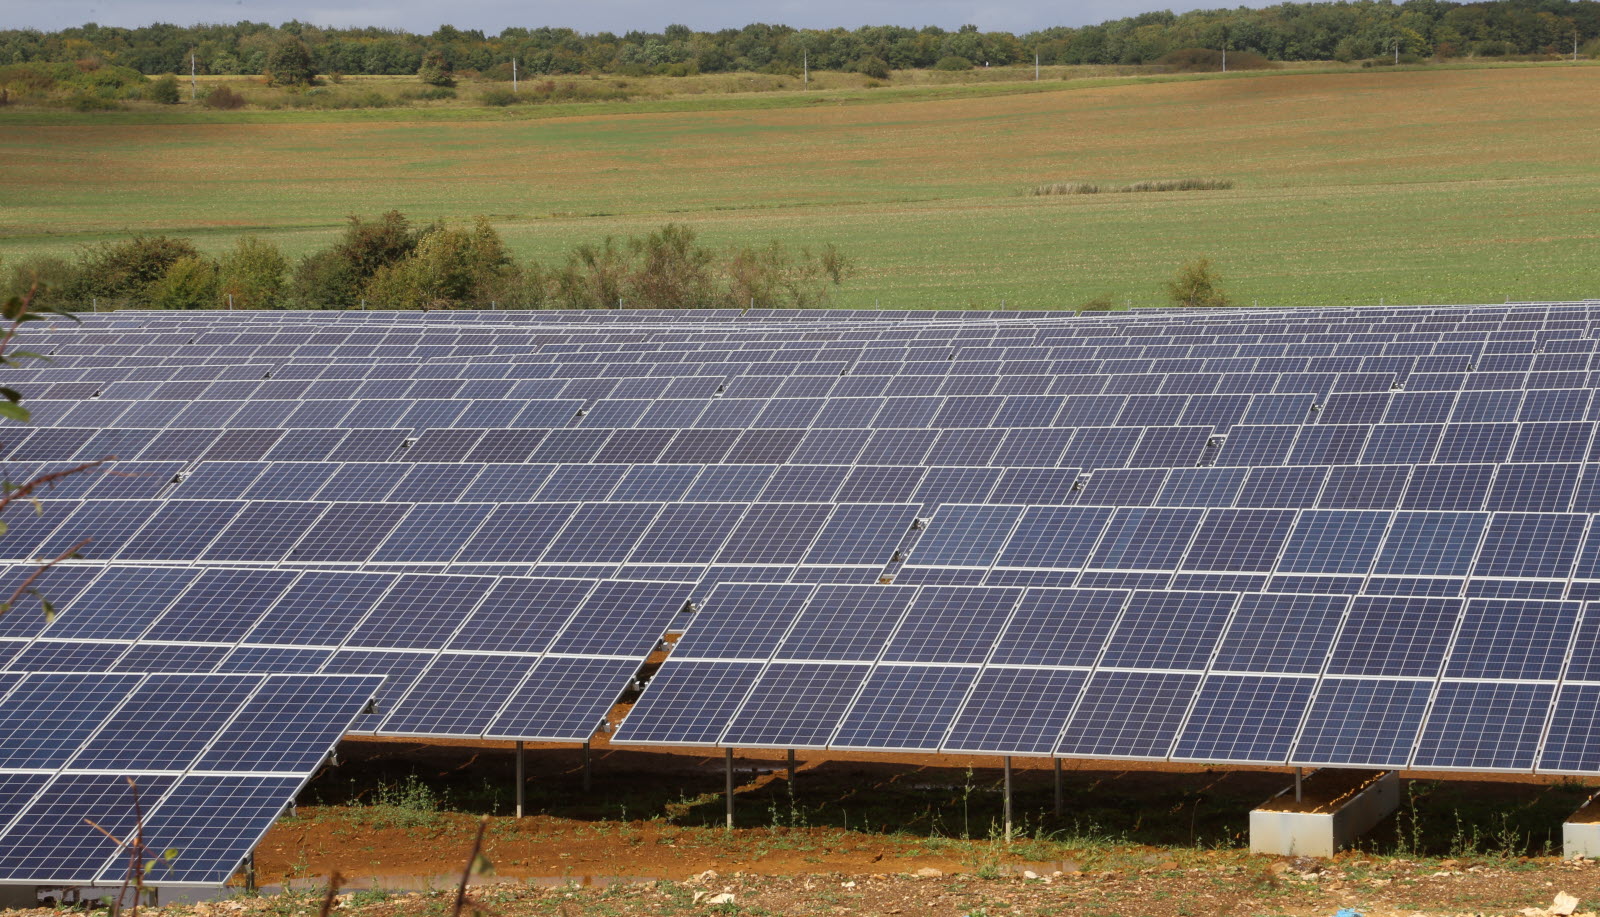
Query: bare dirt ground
(865,834)
(869,835)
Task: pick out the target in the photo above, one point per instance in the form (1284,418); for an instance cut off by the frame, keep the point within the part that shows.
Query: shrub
(1197,284)
(450,267)
(433,93)
(189,283)
(335,278)
(953,62)
(126,270)
(90,101)
(289,63)
(435,70)
(1098,304)
(323,280)
(163,90)
(498,97)
(252,273)
(224,99)
(50,275)
(1206,60)
(1064,187)
(875,67)
(1179,184)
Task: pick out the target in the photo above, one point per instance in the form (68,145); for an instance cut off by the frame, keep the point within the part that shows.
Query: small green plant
(1198,284)
(411,803)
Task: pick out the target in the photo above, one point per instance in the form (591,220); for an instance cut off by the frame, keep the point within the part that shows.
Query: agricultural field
(1349,186)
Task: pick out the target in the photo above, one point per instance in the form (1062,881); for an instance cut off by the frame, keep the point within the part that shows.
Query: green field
(1413,186)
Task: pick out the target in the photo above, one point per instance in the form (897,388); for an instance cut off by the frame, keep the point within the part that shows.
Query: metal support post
(791,770)
(1008,799)
(1297,773)
(521,779)
(1059,794)
(728,760)
(250,873)
(588,769)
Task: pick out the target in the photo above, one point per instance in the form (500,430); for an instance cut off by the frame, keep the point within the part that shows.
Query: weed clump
(408,804)
(1169,184)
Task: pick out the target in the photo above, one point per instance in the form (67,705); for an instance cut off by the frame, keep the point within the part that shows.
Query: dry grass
(1171,184)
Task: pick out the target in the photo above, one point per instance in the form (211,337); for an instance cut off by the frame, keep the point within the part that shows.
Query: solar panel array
(205,763)
(1307,537)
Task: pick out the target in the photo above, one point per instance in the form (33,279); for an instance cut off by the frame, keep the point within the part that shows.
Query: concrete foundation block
(1580,835)
(1336,808)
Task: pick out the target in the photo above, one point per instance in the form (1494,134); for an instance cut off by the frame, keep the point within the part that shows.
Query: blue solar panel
(846,623)
(1280,633)
(1128,715)
(517,533)
(1431,544)
(289,725)
(795,705)
(1395,636)
(1168,630)
(688,702)
(320,608)
(904,708)
(53,840)
(951,625)
(1572,744)
(1478,726)
(213,821)
(458,694)
(1361,722)
(1015,711)
(420,612)
(564,699)
(622,618)
(1244,718)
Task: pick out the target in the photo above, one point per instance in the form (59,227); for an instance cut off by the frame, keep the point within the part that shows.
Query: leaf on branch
(14,411)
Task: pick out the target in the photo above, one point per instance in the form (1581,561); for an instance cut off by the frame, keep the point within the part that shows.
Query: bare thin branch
(334,880)
(472,860)
(54,476)
(23,588)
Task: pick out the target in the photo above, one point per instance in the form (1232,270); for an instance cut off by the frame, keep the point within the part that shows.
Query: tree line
(1288,31)
(389,262)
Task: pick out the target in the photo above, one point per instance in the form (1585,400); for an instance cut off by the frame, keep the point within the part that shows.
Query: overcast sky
(592,16)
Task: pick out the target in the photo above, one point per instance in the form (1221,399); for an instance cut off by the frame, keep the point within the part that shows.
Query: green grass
(1406,186)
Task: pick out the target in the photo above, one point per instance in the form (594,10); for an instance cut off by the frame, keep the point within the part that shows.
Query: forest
(1286,32)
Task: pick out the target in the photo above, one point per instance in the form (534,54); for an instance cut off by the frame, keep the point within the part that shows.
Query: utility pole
(1397,51)
(191,75)
(513,74)
(1574,44)
(1036,66)
(805,67)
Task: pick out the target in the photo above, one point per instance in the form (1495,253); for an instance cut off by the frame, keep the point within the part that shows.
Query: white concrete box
(1580,834)
(1338,807)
